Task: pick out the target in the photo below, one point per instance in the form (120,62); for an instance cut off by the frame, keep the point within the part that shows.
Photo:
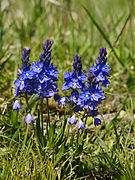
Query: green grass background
(76,27)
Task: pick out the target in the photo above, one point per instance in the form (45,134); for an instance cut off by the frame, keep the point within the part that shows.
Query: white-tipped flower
(29,118)
(72,120)
(81,125)
(16,106)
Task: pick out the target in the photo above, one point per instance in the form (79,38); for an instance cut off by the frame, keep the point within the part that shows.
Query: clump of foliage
(38,81)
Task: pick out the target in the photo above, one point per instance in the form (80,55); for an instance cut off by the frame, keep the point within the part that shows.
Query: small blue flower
(42,77)
(74,96)
(72,120)
(63,100)
(16,106)
(77,63)
(85,95)
(25,58)
(93,113)
(81,125)
(77,108)
(81,76)
(67,75)
(37,67)
(46,54)
(97,122)
(105,83)
(105,68)
(100,77)
(29,118)
(56,97)
(74,79)
(28,74)
(93,69)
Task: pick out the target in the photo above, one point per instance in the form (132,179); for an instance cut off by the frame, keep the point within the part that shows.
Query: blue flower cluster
(91,90)
(75,78)
(92,94)
(38,78)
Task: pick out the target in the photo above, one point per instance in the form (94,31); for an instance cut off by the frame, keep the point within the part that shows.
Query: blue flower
(104,68)
(16,106)
(29,118)
(105,83)
(68,75)
(25,58)
(93,69)
(74,96)
(74,79)
(81,125)
(72,120)
(102,55)
(65,86)
(85,95)
(52,72)
(37,67)
(27,74)
(100,77)
(75,83)
(77,63)
(47,89)
(63,100)
(38,78)
(97,122)
(81,76)
(20,84)
(77,108)
(46,73)
(43,77)
(93,113)
(46,54)
(56,97)
(101,70)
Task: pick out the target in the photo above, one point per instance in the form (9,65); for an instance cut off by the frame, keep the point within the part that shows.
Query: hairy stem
(27,103)
(48,119)
(41,109)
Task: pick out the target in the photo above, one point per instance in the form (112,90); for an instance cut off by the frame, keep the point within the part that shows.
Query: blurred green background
(76,27)
(74,30)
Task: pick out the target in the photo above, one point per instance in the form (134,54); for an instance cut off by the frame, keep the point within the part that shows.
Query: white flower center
(63,99)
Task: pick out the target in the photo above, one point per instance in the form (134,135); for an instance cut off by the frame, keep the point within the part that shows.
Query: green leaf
(103,144)
(40,136)
(81,141)
(59,137)
(52,135)
(14,117)
(60,153)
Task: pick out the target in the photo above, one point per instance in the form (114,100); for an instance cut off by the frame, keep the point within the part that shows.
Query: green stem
(48,119)
(77,138)
(86,118)
(48,111)
(29,109)
(26,134)
(35,131)
(41,109)
(26,98)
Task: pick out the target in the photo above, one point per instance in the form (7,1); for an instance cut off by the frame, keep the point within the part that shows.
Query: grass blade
(104,36)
